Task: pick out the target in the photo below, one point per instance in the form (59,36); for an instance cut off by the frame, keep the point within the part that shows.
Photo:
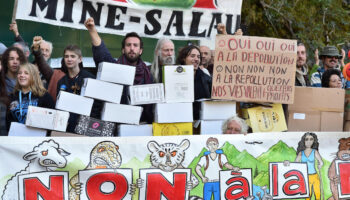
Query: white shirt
(212,173)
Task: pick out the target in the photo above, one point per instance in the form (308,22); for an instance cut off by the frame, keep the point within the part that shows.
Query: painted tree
(256,172)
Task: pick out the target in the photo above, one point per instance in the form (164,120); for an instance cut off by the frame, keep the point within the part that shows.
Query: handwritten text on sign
(254,69)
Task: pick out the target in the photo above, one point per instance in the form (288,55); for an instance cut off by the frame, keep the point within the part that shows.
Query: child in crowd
(74,80)
(28,91)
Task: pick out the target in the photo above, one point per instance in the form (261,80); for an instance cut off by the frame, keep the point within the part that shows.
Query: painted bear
(344,155)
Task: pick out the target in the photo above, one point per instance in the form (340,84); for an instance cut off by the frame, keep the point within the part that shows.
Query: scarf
(142,75)
(300,73)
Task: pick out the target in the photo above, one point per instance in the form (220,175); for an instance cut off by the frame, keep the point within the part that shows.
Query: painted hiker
(213,161)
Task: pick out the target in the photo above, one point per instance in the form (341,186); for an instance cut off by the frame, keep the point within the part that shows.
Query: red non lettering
(158,185)
(94,183)
(34,187)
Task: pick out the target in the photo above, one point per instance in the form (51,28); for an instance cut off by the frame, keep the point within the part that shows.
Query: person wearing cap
(330,58)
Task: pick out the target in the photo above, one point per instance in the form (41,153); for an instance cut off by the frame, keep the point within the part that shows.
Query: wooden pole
(14,11)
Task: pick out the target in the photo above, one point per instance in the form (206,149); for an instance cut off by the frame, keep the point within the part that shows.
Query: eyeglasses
(335,57)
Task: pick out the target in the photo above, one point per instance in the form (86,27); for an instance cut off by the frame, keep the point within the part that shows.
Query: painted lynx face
(168,156)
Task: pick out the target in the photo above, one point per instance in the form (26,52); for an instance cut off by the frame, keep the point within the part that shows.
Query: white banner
(177,19)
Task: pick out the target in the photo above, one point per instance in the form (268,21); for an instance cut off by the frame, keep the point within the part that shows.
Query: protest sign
(267,119)
(155,167)
(236,185)
(343,186)
(289,182)
(105,184)
(254,69)
(177,19)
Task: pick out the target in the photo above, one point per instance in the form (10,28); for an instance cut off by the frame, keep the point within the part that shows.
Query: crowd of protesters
(26,84)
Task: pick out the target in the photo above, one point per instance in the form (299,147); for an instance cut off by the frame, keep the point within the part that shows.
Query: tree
(314,22)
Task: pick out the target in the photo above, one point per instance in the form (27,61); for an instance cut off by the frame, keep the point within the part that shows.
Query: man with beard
(164,54)
(132,48)
(330,57)
(301,74)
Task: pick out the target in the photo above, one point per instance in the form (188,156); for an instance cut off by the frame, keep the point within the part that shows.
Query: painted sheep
(47,156)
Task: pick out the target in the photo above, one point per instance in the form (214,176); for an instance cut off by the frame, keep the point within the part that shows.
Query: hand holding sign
(14,28)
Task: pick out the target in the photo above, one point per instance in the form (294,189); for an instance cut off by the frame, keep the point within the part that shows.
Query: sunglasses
(335,57)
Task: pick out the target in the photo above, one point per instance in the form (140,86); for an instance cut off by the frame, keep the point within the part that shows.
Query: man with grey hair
(46,49)
(45,46)
(163,55)
(234,125)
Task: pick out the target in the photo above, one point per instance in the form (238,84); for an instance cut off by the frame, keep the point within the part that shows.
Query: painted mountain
(259,165)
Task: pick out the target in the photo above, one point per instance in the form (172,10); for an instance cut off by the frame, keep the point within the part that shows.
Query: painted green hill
(277,153)
(197,191)
(230,151)
(262,179)
(246,160)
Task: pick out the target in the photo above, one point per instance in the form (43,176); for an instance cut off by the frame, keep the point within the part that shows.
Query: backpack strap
(219,160)
(207,165)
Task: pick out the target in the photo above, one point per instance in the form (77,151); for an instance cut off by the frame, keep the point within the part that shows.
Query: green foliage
(277,153)
(198,190)
(314,22)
